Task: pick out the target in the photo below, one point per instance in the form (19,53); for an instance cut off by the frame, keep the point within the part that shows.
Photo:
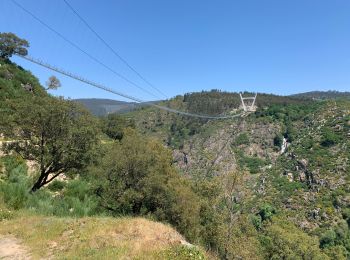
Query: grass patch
(97,238)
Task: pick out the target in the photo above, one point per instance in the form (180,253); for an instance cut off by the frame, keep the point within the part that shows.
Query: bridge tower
(248,103)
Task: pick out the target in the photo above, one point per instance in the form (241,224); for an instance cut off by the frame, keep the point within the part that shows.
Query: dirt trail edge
(11,248)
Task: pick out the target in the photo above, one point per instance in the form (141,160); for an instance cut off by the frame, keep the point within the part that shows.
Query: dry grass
(92,238)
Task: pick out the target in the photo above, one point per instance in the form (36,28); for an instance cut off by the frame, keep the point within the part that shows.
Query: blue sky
(181,46)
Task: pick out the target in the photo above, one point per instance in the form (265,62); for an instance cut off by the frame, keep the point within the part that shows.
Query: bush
(56,185)
(328,238)
(16,183)
(252,163)
(278,140)
(242,139)
(76,200)
(266,212)
(256,221)
(329,138)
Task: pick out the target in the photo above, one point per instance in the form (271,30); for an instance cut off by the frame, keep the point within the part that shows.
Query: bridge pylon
(248,103)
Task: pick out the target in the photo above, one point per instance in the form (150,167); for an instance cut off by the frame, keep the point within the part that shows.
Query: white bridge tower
(248,103)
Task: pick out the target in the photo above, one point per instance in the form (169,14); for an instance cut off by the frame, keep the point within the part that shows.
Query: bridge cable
(80,49)
(111,49)
(100,86)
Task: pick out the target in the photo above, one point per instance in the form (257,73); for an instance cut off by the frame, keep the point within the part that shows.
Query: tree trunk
(39,183)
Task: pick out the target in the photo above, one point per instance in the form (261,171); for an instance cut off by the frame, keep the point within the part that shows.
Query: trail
(11,248)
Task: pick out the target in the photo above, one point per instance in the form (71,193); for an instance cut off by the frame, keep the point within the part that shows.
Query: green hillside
(273,184)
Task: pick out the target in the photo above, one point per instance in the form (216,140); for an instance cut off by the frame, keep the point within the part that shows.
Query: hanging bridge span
(105,88)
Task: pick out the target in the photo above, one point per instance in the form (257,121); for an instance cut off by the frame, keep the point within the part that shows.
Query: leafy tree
(283,240)
(56,134)
(114,126)
(53,83)
(136,178)
(11,44)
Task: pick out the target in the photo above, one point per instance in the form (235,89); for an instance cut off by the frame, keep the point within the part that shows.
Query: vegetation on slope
(225,185)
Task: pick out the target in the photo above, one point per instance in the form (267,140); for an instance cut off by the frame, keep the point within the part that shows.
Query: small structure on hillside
(248,103)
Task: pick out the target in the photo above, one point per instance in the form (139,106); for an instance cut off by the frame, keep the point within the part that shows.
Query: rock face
(215,154)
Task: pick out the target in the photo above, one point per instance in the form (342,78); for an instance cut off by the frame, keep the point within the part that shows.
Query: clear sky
(273,46)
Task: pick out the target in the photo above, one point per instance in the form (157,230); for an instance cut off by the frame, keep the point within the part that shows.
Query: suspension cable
(76,46)
(110,48)
(105,88)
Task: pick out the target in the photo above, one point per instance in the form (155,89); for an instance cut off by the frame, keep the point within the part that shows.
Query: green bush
(278,140)
(56,185)
(256,221)
(14,188)
(252,163)
(329,137)
(242,139)
(266,212)
(76,200)
(328,238)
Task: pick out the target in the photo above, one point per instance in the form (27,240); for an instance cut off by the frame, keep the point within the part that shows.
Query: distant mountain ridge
(330,94)
(101,107)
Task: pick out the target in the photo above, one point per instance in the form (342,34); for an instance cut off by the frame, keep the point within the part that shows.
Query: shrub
(56,185)
(278,140)
(242,139)
(329,138)
(256,221)
(328,238)
(16,184)
(266,212)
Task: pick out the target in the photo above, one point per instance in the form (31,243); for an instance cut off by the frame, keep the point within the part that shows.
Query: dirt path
(11,248)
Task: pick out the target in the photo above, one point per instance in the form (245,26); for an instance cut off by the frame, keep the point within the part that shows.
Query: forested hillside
(283,169)
(272,184)
(323,94)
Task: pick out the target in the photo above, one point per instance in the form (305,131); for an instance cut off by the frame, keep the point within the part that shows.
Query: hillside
(272,184)
(37,237)
(330,94)
(301,189)
(102,107)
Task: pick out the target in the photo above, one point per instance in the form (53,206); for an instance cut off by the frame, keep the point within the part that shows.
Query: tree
(11,44)
(53,83)
(136,178)
(56,134)
(114,126)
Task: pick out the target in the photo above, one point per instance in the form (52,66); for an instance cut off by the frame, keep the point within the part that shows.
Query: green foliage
(14,188)
(282,240)
(11,44)
(329,137)
(254,164)
(56,185)
(5,214)
(328,238)
(266,212)
(137,179)
(76,199)
(242,138)
(278,140)
(183,253)
(256,221)
(114,126)
(56,134)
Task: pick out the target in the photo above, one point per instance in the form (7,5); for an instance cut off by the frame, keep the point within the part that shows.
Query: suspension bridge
(105,88)
(247,107)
